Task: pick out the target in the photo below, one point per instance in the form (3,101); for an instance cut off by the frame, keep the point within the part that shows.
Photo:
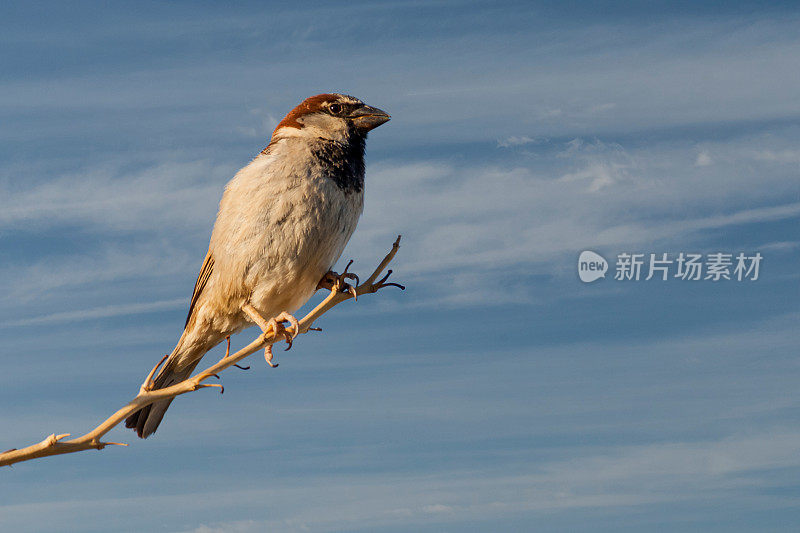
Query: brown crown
(312,104)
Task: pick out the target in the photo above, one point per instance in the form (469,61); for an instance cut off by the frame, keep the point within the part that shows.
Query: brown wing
(202,279)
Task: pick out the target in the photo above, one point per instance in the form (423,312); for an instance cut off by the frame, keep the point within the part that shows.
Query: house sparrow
(283,221)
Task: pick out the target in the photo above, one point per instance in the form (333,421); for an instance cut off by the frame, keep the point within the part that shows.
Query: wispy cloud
(469,220)
(160,197)
(513,141)
(102,267)
(520,136)
(613,480)
(574,195)
(97,312)
(780,156)
(703,159)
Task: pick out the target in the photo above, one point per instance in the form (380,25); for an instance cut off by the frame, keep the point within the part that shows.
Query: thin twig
(55,445)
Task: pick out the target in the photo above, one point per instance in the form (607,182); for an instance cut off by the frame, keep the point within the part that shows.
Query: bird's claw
(295,324)
(268,356)
(349,275)
(335,282)
(278,329)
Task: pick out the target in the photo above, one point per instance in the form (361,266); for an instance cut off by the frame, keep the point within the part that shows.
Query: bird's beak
(367,117)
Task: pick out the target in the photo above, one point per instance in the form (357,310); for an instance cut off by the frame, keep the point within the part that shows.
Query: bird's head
(336,117)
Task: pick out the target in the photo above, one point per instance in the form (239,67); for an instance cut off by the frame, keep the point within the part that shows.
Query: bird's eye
(335,109)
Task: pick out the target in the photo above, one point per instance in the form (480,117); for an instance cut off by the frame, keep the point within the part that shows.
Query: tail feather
(145,421)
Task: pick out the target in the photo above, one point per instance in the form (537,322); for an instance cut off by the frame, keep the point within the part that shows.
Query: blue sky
(498,393)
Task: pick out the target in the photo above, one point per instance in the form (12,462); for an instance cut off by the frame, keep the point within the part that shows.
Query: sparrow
(283,221)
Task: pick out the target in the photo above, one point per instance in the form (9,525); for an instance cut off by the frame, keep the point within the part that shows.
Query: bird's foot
(335,282)
(228,353)
(276,327)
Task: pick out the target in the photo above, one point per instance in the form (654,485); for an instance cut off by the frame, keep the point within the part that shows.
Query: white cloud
(599,174)
(106,266)
(470,226)
(161,197)
(612,477)
(512,141)
(613,480)
(779,156)
(703,159)
(589,193)
(437,508)
(601,108)
(779,246)
(98,312)
(236,526)
(556,84)
(464,226)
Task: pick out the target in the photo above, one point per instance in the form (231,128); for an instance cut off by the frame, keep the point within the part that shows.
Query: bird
(283,221)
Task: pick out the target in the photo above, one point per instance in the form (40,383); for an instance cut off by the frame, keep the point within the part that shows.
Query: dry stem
(55,445)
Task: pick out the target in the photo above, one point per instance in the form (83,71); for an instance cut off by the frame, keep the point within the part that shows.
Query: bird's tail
(145,421)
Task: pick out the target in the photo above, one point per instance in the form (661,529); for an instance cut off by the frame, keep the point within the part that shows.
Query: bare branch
(56,445)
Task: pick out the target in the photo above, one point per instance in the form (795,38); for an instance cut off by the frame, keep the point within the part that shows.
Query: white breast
(281,226)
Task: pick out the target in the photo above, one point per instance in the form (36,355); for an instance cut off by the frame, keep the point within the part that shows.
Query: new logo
(591,266)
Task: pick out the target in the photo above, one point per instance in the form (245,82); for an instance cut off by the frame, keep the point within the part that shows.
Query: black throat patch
(343,162)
